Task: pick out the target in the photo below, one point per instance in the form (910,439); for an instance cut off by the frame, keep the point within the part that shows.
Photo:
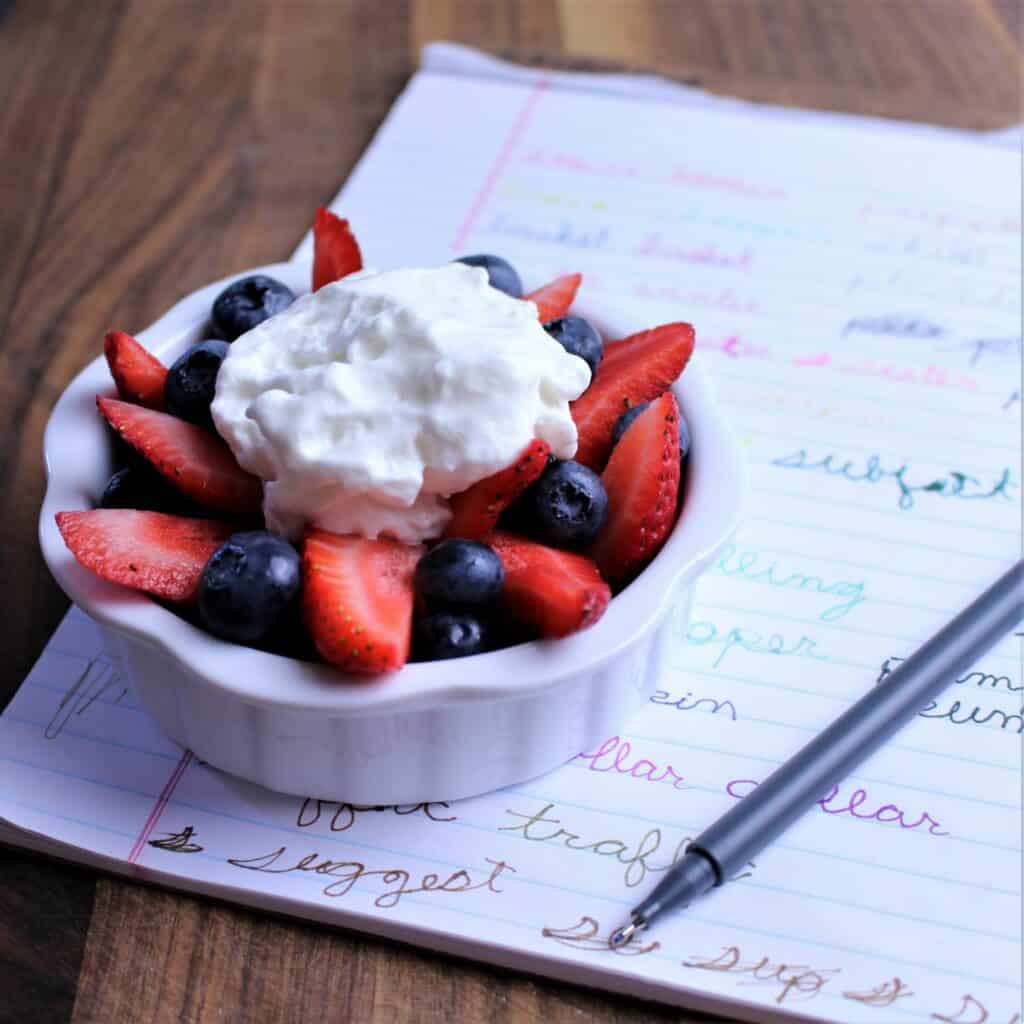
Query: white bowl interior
(79,461)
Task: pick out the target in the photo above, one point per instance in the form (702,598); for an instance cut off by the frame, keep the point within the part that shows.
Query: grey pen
(721,850)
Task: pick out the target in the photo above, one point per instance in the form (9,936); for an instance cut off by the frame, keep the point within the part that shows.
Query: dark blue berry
(248,302)
(192,381)
(140,487)
(443,635)
(248,585)
(578,336)
(459,572)
(625,421)
(567,506)
(500,273)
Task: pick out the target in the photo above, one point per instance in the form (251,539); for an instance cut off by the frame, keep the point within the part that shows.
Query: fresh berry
(554,592)
(501,274)
(459,573)
(442,635)
(475,511)
(357,600)
(626,420)
(567,506)
(161,554)
(248,302)
(194,460)
(335,249)
(554,299)
(139,486)
(578,337)
(642,480)
(139,375)
(192,382)
(633,370)
(248,585)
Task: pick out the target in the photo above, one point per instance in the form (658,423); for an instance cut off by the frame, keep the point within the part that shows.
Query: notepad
(856,289)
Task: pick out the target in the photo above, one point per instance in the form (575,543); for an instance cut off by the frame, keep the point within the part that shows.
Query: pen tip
(622,935)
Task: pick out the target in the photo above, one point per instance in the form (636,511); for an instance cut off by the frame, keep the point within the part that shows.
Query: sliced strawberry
(476,510)
(335,249)
(554,299)
(633,370)
(642,481)
(357,599)
(161,554)
(139,375)
(555,592)
(196,461)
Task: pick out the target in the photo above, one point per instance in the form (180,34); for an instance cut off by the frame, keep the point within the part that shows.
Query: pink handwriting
(886,814)
(734,347)
(614,756)
(699,179)
(931,376)
(575,163)
(656,248)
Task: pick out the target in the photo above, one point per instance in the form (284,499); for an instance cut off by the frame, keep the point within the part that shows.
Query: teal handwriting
(704,633)
(750,564)
(872,470)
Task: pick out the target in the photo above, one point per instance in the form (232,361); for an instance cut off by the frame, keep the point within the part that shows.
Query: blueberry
(192,381)
(625,421)
(567,506)
(140,487)
(500,273)
(459,572)
(248,585)
(579,337)
(443,635)
(248,302)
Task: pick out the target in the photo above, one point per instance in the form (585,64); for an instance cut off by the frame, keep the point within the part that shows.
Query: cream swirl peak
(364,405)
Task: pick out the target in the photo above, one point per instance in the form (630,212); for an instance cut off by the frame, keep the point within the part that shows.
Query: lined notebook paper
(857,297)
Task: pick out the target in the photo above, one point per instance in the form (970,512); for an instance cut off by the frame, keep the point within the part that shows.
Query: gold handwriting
(795,981)
(398,882)
(882,995)
(585,934)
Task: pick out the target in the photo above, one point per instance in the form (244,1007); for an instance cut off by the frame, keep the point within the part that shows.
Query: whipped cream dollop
(364,405)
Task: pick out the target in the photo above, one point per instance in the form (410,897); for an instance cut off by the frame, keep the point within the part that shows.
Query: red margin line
(514,135)
(158,807)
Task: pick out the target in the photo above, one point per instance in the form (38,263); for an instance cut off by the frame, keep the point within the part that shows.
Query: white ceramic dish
(436,731)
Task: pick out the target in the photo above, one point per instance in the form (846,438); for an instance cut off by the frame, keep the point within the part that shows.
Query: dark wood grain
(150,146)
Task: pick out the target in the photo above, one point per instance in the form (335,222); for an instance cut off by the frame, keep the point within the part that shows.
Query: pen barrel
(806,778)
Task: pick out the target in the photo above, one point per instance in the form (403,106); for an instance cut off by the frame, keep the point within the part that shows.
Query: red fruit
(161,554)
(555,592)
(633,370)
(139,375)
(335,249)
(477,509)
(195,461)
(642,481)
(554,299)
(357,599)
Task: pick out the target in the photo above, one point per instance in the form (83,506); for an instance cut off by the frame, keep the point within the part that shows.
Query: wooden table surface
(149,146)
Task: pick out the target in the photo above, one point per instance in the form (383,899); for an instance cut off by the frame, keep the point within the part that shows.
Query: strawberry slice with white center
(642,481)
(633,370)
(160,554)
(357,600)
(197,462)
(138,374)
(554,299)
(475,512)
(555,592)
(335,249)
